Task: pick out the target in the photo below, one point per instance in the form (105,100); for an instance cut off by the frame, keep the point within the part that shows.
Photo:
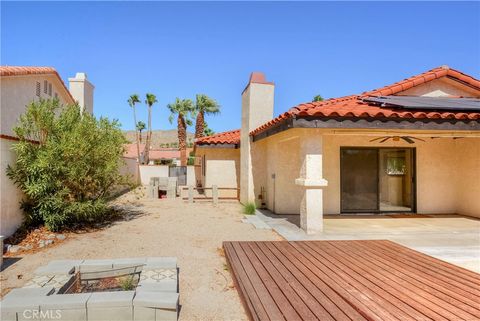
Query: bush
(249,208)
(67,164)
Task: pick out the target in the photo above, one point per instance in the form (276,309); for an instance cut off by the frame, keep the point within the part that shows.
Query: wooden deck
(349,280)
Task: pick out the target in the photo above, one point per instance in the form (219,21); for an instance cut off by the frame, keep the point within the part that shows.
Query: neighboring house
(158,156)
(409,147)
(19,87)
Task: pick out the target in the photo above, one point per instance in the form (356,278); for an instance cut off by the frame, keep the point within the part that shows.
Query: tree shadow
(9,261)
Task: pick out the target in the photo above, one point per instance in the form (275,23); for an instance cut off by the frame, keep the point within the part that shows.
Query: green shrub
(67,164)
(127,283)
(249,208)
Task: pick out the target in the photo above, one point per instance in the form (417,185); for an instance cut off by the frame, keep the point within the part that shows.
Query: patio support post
(311,179)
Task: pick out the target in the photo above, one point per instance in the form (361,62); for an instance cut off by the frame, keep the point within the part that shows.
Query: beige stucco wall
(19,91)
(129,167)
(442,87)
(257,109)
(222,167)
(10,196)
(441,162)
(467,170)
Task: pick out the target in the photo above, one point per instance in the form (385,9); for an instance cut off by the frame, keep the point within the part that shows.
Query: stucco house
(19,87)
(409,147)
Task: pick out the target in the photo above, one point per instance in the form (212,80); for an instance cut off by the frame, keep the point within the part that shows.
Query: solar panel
(434,103)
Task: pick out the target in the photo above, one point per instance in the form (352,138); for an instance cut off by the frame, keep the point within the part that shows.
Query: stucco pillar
(311,179)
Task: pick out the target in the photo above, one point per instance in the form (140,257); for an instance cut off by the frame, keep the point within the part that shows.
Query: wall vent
(37,89)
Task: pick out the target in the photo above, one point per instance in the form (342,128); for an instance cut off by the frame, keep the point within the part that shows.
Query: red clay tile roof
(353,106)
(6,71)
(443,71)
(230,137)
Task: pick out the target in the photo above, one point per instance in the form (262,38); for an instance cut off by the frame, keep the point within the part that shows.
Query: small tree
(141,127)
(317,98)
(67,164)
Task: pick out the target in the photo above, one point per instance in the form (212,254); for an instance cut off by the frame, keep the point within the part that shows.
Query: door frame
(378,211)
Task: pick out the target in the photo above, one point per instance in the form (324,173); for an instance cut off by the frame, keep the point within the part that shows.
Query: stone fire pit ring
(49,294)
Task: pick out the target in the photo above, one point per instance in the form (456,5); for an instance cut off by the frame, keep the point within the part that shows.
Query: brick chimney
(257,109)
(82,91)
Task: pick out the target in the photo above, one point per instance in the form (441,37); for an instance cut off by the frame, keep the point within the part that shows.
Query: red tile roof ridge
(422,78)
(6,71)
(228,137)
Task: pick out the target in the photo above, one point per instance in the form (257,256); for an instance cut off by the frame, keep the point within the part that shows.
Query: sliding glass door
(377,180)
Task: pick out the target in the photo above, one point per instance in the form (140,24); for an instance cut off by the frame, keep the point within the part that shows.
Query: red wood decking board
(349,281)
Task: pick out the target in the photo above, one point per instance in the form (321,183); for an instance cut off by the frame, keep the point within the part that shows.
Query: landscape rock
(28,247)
(61,237)
(41,243)
(48,242)
(15,248)
(51,236)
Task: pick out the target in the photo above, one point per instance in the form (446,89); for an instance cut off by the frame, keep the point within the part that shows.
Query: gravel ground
(192,232)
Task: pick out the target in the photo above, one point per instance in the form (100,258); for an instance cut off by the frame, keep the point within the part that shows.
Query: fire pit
(119,289)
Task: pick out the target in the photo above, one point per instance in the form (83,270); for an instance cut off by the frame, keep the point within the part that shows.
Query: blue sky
(180,49)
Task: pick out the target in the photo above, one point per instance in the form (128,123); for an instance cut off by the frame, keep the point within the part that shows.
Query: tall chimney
(82,91)
(257,109)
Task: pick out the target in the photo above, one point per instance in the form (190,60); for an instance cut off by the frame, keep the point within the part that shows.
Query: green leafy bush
(249,208)
(67,164)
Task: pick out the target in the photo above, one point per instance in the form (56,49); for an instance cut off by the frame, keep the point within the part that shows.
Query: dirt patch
(193,233)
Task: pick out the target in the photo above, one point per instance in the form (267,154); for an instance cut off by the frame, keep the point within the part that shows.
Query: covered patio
(452,238)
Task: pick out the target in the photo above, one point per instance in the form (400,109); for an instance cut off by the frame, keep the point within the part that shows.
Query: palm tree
(317,98)
(140,127)
(207,131)
(183,108)
(204,105)
(132,101)
(150,100)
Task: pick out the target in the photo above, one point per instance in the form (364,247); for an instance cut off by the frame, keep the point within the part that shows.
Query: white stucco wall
(148,171)
(10,196)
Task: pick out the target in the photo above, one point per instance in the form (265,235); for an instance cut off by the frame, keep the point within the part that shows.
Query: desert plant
(249,208)
(127,283)
(183,108)
(67,164)
(204,105)
(131,102)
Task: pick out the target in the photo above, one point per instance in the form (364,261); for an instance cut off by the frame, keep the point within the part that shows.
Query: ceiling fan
(408,139)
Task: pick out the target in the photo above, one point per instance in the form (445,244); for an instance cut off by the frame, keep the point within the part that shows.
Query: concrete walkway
(455,239)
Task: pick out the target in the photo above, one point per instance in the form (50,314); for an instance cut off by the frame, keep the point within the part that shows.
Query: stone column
(311,179)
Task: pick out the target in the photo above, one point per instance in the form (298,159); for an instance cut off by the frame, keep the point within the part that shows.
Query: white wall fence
(148,171)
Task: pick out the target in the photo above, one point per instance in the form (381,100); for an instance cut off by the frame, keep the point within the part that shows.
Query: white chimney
(257,109)
(82,91)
